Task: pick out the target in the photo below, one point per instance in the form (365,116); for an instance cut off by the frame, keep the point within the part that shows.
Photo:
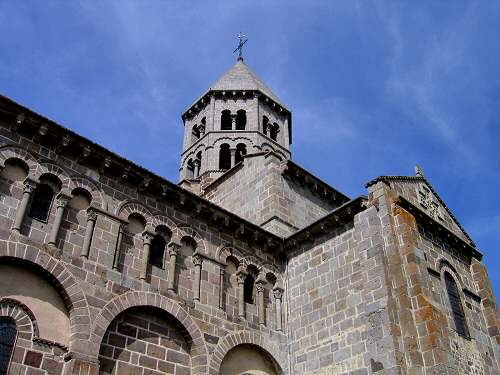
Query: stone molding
(187,326)
(230,341)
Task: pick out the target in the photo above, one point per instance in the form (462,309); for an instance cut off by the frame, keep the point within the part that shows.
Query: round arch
(199,353)
(185,231)
(51,168)
(89,185)
(233,340)
(128,207)
(17,152)
(64,282)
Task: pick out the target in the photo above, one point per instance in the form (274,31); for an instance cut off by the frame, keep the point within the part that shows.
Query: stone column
(61,202)
(221,288)
(29,187)
(89,232)
(278,295)
(197,164)
(197,261)
(233,121)
(261,307)
(116,255)
(80,364)
(146,248)
(233,156)
(173,250)
(240,277)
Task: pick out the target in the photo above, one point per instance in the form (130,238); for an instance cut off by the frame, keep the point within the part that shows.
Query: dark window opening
(41,202)
(241,150)
(456,306)
(224,157)
(195,133)
(190,169)
(241,119)
(225,121)
(248,287)
(265,124)
(157,252)
(8,333)
(275,129)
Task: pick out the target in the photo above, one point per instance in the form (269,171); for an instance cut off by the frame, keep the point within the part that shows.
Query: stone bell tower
(236,116)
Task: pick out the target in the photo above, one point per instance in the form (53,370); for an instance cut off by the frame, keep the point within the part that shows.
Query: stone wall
(258,192)
(338,315)
(101,285)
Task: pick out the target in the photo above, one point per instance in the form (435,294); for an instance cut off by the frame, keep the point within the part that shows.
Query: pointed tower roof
(241,77)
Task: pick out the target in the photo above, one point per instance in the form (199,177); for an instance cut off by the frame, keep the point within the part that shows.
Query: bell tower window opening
(456,305)
(248,286)
(241,119)
(226,122)
(241,151)
(275,129)
(224,157)
(190,169)
(8,334)
(195,133)
(265,124)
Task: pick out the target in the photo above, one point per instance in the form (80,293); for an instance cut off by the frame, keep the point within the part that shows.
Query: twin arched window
(226,121)
(157,252)
(8,333)
(456,305)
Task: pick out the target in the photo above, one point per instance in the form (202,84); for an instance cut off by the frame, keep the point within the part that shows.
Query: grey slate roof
(241,77)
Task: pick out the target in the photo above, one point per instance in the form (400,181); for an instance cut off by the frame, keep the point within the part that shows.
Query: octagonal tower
(237,115)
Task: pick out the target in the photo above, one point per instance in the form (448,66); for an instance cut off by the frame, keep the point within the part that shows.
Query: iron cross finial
(242,40)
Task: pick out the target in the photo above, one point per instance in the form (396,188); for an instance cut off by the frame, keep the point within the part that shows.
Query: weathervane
(243,39)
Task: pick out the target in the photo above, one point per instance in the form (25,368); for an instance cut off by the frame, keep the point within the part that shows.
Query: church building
(250,265)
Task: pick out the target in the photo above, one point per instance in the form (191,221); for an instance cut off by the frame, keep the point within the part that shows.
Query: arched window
(40,204)
(190,169)
(241,119)
(158,244)
(225,120)
(241,150)
(275,129)
(195,133)
(224,157)
(248,286)
(456,305)
(265,124)
(8,333)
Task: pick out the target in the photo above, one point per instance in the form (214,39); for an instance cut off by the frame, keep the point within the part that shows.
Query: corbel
(145,184)
(20,118)
(105,165)
(85,153)
(125,173)
(42,132)
(65,140)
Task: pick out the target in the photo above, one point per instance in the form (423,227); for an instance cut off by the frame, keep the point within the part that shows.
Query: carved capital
(240,277)
(197,260)
(278,293)
(29,186)
(197,162)
(62,200)
(259,286)
(91,214)
(173,248)
(147,237)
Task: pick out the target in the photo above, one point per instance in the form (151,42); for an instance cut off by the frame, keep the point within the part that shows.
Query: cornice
(63,141)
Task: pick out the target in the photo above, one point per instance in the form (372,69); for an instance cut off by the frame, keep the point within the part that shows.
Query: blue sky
(375,87)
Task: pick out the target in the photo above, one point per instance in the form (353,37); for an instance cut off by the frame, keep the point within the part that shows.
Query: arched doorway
(248,359)
(145,337)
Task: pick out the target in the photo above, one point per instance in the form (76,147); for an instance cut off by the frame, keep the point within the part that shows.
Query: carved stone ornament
(278,293)
(197,260)
(91,214)
(259,287)
(173,248)
(29,186)
(62,200)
